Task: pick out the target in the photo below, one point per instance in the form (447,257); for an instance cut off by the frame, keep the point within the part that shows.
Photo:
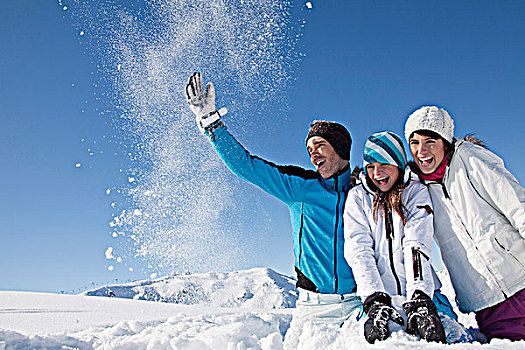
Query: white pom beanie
(433,119)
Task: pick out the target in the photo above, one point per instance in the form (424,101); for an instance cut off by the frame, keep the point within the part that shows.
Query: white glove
(201,103)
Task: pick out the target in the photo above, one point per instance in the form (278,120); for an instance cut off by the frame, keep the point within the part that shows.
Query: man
(315,199)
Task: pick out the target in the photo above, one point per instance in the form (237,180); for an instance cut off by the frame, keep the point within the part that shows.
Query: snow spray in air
(181,201)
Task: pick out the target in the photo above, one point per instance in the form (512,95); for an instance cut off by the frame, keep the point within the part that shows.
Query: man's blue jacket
(316,211)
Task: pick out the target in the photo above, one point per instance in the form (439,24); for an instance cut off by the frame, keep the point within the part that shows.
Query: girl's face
(428,152)
(383,176)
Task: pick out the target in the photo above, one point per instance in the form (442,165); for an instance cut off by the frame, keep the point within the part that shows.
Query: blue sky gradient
(367,64)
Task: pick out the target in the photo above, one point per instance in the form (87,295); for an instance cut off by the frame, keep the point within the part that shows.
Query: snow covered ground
(229,311)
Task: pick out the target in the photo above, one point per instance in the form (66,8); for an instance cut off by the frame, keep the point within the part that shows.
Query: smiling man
(315,199)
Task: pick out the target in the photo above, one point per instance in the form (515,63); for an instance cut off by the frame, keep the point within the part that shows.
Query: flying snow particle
(109,253)
(153,275)
(309,5)
(174,177)
(64,8)
(108,191)
(119,259)
(130,269)
(111,268)
(78,165)
(81,33)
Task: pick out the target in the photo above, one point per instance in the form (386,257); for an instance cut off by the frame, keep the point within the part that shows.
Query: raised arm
(281,182)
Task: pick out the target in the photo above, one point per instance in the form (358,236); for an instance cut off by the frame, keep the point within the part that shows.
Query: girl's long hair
(392,197)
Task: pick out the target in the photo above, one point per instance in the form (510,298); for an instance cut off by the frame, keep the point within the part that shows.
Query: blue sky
(367,64)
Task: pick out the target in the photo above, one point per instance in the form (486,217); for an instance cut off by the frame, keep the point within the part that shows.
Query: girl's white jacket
(399,267)
(479,222)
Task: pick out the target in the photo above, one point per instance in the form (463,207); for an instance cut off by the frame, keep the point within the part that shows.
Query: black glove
(422,318)
(378,307)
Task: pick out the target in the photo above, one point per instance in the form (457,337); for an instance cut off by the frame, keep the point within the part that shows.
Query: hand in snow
(423,318)
(378,307)
(202,103)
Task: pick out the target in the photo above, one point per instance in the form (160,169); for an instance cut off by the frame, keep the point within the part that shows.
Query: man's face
(324,157)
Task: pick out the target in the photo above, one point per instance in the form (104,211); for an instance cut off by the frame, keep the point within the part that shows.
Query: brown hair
(434,135)
(392,198)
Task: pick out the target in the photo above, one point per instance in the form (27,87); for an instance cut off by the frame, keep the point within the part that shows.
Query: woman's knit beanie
(433,119)
(385,147)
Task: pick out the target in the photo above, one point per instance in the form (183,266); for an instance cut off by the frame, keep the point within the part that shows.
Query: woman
(479,221)
(388,225)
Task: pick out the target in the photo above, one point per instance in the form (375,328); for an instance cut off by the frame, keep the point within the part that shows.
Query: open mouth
(426,161)
(382,181)
(319,162)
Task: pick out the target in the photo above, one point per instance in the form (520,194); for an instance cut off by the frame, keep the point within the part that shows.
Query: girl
(388,238)
(479,221)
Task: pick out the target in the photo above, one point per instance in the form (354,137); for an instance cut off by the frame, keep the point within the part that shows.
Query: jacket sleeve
(495,184)
(417,243)
(359,246)
(257,171)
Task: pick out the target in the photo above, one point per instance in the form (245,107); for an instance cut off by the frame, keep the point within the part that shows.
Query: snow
(109,253)
(147,55)
(217,318)
(255,288)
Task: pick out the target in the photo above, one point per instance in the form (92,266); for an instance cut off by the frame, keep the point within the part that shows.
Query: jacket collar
(455,145)
(341,181)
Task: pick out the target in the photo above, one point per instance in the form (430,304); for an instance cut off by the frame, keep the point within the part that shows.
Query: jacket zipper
(301,240)
(416,263)
(447,196)
(509,252)
(335,236)
(390,236)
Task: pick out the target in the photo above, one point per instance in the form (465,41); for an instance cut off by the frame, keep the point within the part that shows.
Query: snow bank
(254,288)
(51,321)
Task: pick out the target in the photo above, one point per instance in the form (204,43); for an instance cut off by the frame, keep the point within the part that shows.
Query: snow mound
(260,318)
(260,288)
(244,330)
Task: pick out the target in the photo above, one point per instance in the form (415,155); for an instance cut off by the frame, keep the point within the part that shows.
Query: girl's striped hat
(385,147)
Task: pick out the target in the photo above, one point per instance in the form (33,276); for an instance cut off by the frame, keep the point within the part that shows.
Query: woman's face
(428,152)
(383,176)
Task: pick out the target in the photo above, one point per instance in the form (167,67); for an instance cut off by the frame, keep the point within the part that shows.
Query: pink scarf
(439,173)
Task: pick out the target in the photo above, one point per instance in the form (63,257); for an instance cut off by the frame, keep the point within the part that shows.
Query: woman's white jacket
(398,267)
(479,224)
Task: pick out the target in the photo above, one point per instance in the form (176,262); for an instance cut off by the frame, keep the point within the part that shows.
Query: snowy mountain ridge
(261,288)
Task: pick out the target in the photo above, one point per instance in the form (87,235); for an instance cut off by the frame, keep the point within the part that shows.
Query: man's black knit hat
(335,134)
